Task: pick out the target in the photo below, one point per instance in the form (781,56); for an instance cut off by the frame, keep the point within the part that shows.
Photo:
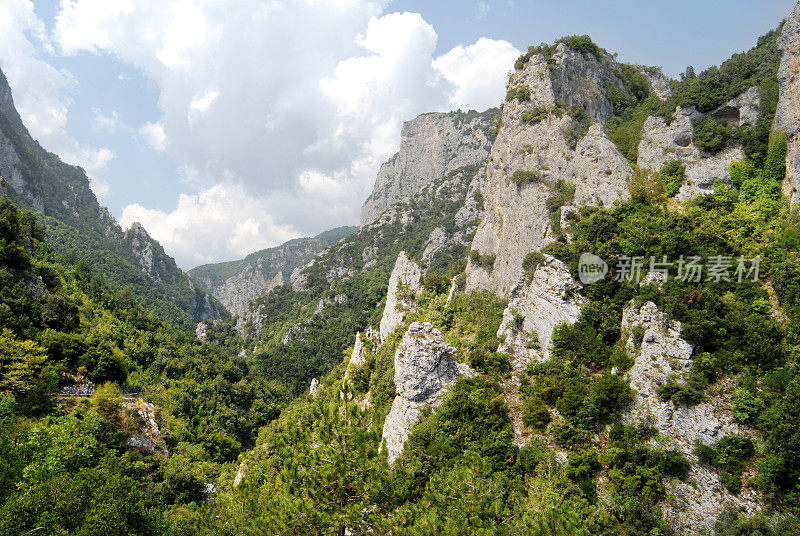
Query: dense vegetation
(79,227)
(312,464)
(65,466)
(317,340)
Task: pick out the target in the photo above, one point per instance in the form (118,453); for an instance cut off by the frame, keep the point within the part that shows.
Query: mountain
(79,227)
(431,146)
(457,365)
(577,122)
(648,405)
(237,283)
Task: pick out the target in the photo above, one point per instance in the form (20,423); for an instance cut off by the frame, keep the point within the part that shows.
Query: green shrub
(741,171)
(532,261)
(625,129)
(535,413)
(563,194)
(522,177)
(521,93)
(483,261)
(728,456)
(775,162)
(711,135)
(647,187)
(534,115)
(674,173)
(680,394)
(583,44)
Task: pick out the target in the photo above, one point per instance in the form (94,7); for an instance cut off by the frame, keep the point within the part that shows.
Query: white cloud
(38,90)
(218,223)
(296,103)
(107,122)
(153,134)
(479,72)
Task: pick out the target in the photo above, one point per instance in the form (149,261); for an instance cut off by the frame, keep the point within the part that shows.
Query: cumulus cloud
(218,223)
(39,90)
(295,104)
(153,134)
(478,72)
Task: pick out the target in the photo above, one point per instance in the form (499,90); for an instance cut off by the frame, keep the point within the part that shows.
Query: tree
(20,363)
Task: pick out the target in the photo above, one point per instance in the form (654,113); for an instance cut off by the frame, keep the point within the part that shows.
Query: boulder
(424,367)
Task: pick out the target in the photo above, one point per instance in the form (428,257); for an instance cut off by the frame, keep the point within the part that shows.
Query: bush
(647,187)
(535,413)
(521,177)
(728,456)
(563,194)
(583,44)
(521,93)
(483,261)
(532,261)
(534,115)
(711,135)
(673,172)
(775,162)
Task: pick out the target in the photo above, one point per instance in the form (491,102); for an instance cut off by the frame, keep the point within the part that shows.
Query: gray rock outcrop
(431,146)
(787,116)
(662,353)
(662,141)
(405,284)
(424,367)
(516,220)
(550,298)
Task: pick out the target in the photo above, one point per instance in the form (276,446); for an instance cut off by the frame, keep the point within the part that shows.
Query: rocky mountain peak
(431,146)
(787,116)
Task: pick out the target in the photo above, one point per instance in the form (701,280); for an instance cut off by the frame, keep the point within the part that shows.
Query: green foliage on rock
(533,116)
(522,177)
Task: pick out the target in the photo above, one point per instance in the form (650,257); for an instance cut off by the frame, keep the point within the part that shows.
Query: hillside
(521,399)
(576,314)
(237,283)
(80,227)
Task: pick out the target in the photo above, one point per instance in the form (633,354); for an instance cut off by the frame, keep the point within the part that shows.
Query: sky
(228,126)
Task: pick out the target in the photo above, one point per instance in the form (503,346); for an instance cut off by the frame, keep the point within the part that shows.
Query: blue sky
(229,127)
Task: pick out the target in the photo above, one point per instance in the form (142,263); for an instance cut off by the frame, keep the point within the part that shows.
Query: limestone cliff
(547,299)
(424,367)
(662,353)
(431,146)
(405,284)
(787,116)
(539,136)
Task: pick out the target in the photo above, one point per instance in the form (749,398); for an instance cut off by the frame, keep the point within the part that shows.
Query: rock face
(662,142)
(405,284)
(551,297)
(424,367)
(236,283)
(359,354)
(787,116)
(662,353)
(516,219)
(431,146)
(39,180)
